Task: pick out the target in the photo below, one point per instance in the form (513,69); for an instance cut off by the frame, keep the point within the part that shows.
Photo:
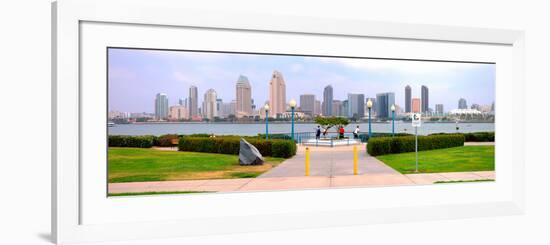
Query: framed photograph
(175,122)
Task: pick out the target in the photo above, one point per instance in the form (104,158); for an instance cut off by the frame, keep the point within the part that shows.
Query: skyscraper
(336,108)
(327,100)
(209,104)
(345,108)
(161,106)
(408,98)
(244,97)
(277,94)
(193,101)
(227,109)
(219,103)
(439,109)
(317,108)
(307,103)
(356,105)
(425,107)
(384,101)
(462,104)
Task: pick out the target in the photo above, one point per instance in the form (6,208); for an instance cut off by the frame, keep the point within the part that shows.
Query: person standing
(318,132)
(356,133)
(342,131)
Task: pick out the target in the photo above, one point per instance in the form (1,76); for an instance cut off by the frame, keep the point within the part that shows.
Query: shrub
(390,145)
(275,136)
(145,141)
(231,145)
(480,137)
(475,136)
(283,148)
(166,140)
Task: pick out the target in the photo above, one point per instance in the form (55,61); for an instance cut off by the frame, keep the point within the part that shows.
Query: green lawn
(139,164)
(456,159)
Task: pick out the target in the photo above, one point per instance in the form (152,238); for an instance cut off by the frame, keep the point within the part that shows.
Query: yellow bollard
(355,160)
(307,161)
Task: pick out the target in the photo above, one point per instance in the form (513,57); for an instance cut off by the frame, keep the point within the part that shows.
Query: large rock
(249,155)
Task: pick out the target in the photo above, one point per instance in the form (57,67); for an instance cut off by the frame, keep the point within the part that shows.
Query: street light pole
(392,120)
(266,107)
(369,105)
(292,104)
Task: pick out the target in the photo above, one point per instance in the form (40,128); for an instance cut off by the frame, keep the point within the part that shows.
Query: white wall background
(25,149)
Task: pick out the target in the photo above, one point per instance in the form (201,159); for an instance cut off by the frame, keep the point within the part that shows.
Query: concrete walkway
(327,161)
(296,183)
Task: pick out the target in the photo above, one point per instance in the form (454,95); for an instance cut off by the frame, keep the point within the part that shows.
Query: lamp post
(369,105)
(392,120)
(266,108)
(292,104)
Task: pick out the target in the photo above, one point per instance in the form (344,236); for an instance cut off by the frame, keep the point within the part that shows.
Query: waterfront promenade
(329,168)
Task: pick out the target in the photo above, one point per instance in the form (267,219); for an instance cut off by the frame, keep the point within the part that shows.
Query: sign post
(416,124)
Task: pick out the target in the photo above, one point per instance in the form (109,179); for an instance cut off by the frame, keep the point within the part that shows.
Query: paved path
(296,183)
(426,179)
(331,161)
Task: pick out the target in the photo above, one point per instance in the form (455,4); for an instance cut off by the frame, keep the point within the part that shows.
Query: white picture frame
(67,172)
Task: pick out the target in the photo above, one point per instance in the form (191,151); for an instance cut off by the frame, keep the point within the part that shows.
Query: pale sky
(136,76)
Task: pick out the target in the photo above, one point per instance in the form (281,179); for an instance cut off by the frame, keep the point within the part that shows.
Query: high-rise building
(345,108)
(307,104)
(462,104)
(336,108)
(161,106)
(227,109)
(439,109)
(209,104)
(384,101)
(219,103)
(178,112)
(277,94)
(408,97)
(373,108)
(317,108)
(244,97)
(425,99)
(327,100)
(475,107)
(416,105)
(193,101)
(356,105)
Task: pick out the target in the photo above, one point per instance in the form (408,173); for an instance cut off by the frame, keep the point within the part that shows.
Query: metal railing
(301,137)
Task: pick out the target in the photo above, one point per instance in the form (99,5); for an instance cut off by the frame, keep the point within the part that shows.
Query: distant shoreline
(287,122)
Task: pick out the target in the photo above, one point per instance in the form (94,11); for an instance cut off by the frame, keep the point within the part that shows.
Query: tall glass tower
(161,106)
(327,100)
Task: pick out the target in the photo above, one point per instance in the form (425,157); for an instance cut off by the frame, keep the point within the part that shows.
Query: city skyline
(302,75)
